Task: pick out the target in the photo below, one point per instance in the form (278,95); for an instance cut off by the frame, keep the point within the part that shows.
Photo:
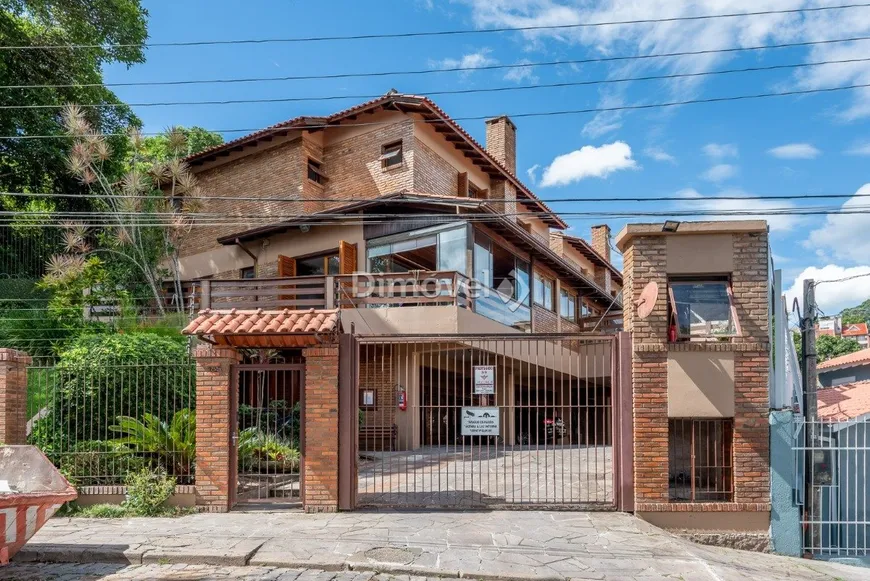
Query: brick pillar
(320,450)
(751,427)
(13,396)
(216,401)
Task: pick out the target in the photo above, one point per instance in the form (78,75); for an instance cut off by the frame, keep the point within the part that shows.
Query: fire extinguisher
(672,333)
(402,399)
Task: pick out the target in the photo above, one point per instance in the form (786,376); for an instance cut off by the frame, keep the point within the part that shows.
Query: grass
(72,509)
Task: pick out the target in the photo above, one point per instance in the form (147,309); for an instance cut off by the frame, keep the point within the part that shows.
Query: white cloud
(719,172)
(833,297)
(734,209)
(720,150)
(588,162)
(472,60)
(606,121)
(696,35)
(844,236)
(532,172)
(862,149)
(659,154)
(795,151)
(522,74)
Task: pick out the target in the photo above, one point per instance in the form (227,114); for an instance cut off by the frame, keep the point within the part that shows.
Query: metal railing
(99,423)
(700,460)
(837,519)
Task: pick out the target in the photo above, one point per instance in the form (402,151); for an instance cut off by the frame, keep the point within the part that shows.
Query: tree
(828,347)
(115,32)
(146,213)
(859,314)
(159,148)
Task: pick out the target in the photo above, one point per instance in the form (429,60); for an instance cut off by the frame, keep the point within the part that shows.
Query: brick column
(13,396)
(320,450)
(751,427)
(216,401)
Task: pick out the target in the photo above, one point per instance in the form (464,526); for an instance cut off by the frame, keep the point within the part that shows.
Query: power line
(514,115)
(818,282)
(400,201)
(448,91)
(454,32)
(593,60)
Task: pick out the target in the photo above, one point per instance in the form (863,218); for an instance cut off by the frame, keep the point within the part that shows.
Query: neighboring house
(845,369)
(858,332)
(840,464)
(829,326)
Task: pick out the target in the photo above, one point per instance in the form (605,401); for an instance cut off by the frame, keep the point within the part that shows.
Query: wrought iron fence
(836,516)
(98,423)
(25,250)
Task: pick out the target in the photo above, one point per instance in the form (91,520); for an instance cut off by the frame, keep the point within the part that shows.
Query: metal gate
(269,432)
(486,421)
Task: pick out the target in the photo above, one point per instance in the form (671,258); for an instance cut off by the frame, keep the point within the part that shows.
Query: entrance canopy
(268,329)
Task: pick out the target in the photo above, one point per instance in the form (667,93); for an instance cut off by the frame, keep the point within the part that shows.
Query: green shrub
(173,443)
(101,511)
(261,451)
(95,462)
(102,377)
(147,490)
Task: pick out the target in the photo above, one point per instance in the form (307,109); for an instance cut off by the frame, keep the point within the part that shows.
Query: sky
(794,145)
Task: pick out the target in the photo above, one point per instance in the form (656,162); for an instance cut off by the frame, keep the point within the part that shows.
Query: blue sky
(786,145)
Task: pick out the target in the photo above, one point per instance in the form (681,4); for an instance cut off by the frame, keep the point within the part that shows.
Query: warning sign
(480,421)
(484,379)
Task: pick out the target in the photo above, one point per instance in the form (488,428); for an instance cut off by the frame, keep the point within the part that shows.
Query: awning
(262,328)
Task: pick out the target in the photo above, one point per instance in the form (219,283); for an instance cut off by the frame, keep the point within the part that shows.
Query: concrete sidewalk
(528,545)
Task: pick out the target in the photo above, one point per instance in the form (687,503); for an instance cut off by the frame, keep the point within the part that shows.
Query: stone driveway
(510,545)
(487,476)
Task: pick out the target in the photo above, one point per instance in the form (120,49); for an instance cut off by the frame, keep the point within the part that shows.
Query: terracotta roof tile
(249,322)
(857,358)
(844,402)
(855,330)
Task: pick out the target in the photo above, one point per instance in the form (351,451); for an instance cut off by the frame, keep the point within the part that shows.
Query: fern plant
(173,442)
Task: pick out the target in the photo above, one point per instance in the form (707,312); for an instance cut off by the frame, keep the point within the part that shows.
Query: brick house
(700,364)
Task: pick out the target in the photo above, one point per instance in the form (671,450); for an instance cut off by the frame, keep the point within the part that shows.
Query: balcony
(373,291)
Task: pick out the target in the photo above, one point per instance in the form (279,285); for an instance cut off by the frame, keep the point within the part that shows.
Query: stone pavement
(510,545)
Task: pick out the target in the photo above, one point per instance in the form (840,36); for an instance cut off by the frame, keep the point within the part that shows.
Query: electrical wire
(400,201)
(430,71)
(513,115)
(454,32)
(853,277)
(508,88)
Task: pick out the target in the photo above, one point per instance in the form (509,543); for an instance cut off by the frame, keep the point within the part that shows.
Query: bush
(95,462)
(173,443)
(147,490)
(102,377)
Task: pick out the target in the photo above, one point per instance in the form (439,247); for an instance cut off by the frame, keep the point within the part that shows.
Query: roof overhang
(408,104)
(586,250)
(631,231)
(265,329)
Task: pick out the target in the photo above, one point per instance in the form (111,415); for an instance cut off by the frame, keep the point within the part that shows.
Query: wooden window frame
(709,279)
(538,300)
(390,151)
(314,167)
(573,295)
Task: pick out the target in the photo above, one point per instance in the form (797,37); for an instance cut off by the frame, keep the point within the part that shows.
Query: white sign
(480,421)
(484,379)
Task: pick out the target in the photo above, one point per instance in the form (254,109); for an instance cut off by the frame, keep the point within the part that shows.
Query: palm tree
(174,443)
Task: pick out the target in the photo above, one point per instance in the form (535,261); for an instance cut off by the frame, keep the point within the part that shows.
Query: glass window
(522,287)
(248,272)
(318,265)
(701,309)
(451,250)
(567,305)
(543,292)
(421,250)
(482,261)
(315,173)
(391,155)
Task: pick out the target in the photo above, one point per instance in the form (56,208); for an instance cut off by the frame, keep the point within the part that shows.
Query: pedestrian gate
(269,432)
(485,421)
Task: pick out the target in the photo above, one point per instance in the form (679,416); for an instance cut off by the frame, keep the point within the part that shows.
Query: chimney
(501,141)
(601,240)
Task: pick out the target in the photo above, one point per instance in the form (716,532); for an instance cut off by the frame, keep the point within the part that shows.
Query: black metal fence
(100,423)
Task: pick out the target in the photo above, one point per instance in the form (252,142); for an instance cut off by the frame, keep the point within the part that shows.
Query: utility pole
(811,404)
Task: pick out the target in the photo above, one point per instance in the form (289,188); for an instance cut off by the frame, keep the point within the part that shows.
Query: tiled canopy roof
(844,402)
(857,358)
(855,330)
(260,322)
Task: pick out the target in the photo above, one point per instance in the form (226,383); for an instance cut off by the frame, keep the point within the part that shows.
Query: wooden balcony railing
(339,291)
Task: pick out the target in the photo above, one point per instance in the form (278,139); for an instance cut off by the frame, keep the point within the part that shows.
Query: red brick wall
(432,173)
(13,396)
(320,455)
(215,397)
(751,429)
(544,321)
(377,371)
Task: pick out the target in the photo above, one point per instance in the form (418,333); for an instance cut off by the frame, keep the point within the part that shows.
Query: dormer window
(391,155)
(315,174)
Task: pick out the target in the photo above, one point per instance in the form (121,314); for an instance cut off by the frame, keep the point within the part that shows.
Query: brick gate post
(320,449)
(13,396)
(215,452)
